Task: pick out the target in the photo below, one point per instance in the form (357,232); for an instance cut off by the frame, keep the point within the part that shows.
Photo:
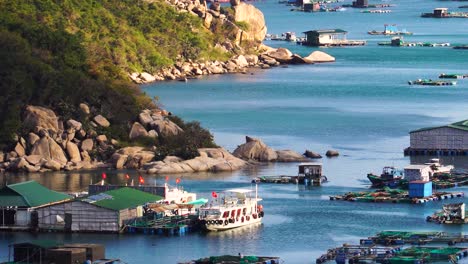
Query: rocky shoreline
(237,64)
(54,144)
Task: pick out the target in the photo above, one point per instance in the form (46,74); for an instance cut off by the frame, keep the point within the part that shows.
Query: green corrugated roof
(462,125)
(29,194)
(124,198)
(324,31)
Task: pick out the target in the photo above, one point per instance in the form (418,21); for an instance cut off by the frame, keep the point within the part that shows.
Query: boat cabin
(440,12)
(325,37)
(418,173)
(312,172)
(361,3)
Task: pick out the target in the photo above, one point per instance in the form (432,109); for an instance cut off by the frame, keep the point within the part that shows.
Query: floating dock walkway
(432,82)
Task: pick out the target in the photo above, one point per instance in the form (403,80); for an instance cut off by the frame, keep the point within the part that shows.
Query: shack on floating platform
(442,12)
(103,212)
(49,251)
(309,174)
(18,203)
(329,37)
(445,140)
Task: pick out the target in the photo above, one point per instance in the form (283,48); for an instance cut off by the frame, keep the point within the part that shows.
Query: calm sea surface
(361,105)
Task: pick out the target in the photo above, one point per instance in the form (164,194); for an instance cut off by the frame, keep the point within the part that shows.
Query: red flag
(127,176)
(214,194)
(177,180)
(167,178)
(142,180)
(104,176)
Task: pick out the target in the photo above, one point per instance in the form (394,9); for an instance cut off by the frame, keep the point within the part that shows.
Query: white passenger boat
(233,208)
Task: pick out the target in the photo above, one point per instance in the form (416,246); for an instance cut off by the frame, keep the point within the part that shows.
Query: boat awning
(239,190)
(200,201)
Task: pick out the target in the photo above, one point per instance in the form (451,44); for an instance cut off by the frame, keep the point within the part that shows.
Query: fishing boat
(432,82)
(452,76)
(234,209)
(390,176)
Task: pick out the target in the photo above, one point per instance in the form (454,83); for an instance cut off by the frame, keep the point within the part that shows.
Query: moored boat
(432,82)
(390,176)
(452,76)
(390,30)
(236,208)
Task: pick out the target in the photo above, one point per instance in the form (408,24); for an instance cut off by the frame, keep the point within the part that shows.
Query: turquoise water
(360,105)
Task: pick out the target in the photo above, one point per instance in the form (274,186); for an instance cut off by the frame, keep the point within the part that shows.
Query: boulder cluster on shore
(239,63)
(264,57)
(52,143)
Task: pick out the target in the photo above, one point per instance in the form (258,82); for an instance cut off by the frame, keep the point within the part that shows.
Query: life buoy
(226,222)
(220,222)
(231,220)
(254,216)
(208,222)
(261,214)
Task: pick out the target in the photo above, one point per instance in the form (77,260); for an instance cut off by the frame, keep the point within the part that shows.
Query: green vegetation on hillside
(59,53)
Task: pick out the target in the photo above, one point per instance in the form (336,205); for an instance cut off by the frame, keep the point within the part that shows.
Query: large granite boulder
(137,131)
(289,156)
(102,121)
(319,57)
(281,54)
(255,149)
(210,159)
(165,127)
(85,109)
(48,149)
(87,144)
(332,153)
(37,117)
(73,152)
(248,13)
(312,154)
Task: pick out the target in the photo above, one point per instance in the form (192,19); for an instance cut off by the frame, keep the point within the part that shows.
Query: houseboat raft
(398,42)
(390,30)
(450,214)
(377,11)
(442,12)
(329,38)
(430,82)
(309,174)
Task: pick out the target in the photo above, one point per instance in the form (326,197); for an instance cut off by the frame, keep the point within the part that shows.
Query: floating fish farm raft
(174,225)
(397,247)
(388,195)
(439,181)
(228,259)
(432,82)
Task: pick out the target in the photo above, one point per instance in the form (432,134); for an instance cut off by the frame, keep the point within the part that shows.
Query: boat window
(244,211)
(233,213)
(226,214)
(239,211)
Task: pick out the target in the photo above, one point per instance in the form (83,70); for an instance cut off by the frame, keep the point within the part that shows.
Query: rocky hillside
(58,54)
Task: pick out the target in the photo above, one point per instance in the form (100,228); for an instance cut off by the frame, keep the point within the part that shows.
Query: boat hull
(223,226)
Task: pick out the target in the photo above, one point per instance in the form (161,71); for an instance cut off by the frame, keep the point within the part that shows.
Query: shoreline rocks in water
(255,150)
(332,153)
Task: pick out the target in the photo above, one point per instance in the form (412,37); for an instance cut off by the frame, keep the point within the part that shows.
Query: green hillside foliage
(59,53)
